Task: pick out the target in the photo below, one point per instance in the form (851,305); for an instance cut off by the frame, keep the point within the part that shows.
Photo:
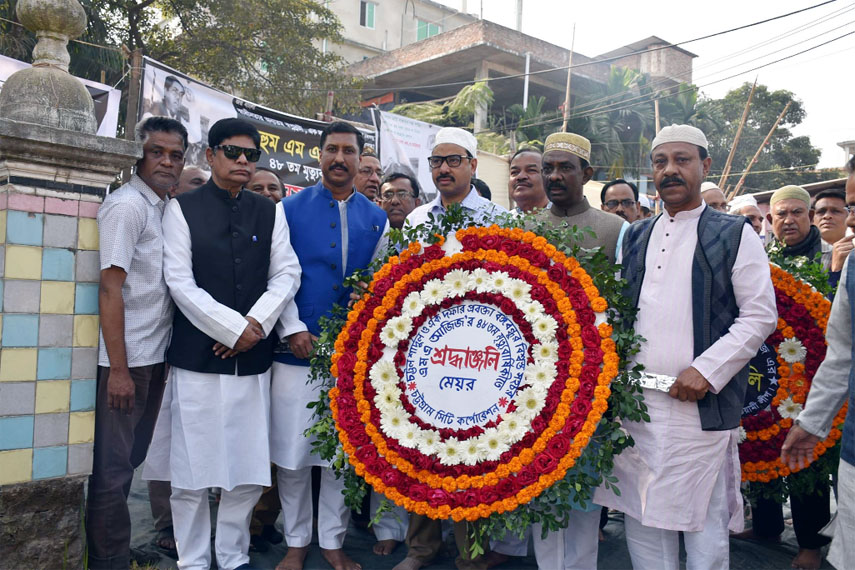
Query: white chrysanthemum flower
(433,292)
(499,280)
(388,399)
(491,445)
(450,452)
(540,374)
(409,436)
(532,311)
(393,423)
(789,409)
(470,453)
(742,435)
(401,327)
(412,305)
(544,328)
(529,403)
(457,282)
(427,442)
(518,291)
(792,350)
(479,280)
(388,336)
(512,429)
(546,351)
(383,373)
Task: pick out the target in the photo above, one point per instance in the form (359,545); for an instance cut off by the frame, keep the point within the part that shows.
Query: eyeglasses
(626,203)
(233,152)
(834,211)
(401,195)
(368,171)
(453,160)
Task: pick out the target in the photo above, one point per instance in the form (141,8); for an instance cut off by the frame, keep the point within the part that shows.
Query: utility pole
(569,73)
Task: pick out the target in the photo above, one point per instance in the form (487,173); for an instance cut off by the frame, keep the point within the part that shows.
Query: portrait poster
(290,145)
(403,145)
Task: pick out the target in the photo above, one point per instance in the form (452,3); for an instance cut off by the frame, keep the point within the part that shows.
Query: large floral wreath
(798,346)
(521,451)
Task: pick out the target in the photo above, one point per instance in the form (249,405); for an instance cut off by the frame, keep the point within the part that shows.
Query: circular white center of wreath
(464,366)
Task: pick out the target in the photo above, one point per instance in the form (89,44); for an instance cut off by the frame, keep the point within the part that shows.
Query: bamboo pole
(133,108)
(567,91)
(726,171)
(735,191)
(656,113)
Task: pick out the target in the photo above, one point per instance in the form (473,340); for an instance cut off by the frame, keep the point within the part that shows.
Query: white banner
(105,97)
(404,145)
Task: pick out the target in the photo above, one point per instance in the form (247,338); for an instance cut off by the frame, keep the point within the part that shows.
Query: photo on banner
(290,145)
(403,145)
(106,98)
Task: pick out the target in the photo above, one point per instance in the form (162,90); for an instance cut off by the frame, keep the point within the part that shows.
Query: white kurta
(667,479)
(213,429)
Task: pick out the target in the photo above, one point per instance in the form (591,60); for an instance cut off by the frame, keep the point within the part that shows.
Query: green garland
(595,465)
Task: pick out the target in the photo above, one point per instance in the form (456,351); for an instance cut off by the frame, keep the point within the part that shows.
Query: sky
(822,78)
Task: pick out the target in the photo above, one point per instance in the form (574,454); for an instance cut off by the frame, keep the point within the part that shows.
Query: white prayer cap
(740,202)
(680,133)
(458,136)
(710,186)
(644,201)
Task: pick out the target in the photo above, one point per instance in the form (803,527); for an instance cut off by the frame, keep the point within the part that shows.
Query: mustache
(338,166)
(675,179)
(445,177)
(556,185)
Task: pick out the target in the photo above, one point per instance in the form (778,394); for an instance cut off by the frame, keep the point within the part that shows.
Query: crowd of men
(212,290)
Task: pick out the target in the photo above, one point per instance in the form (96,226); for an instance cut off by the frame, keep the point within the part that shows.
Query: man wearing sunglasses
(335,231)
(230,269)
(620,197)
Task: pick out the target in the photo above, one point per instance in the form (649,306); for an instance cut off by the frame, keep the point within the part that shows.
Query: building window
(427,29)
(366,14)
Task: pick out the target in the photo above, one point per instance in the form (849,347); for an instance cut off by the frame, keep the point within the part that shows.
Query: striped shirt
(132,239)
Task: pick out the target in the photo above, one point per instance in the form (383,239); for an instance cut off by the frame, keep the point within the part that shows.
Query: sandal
(165,542)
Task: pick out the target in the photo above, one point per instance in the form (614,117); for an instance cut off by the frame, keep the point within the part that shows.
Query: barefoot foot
(385,547)
(808,559)
(294,558)
(339,560)
(409,564)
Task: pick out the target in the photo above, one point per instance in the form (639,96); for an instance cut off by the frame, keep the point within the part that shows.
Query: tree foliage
(266,51)
(787,159)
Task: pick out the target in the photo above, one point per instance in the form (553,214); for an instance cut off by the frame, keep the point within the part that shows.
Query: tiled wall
(48,336)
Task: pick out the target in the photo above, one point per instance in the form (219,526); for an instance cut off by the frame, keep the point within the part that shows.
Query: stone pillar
(54,172)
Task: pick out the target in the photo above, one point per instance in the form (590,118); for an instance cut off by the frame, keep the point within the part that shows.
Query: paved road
(613,554)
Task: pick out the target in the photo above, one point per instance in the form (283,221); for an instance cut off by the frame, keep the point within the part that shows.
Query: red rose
(585,316)
(390,477)
(558,446)
(798,311)
(346,362)
(434,252)
(589,373)
(469,242)
(590,336)
(492,267)
(469,499)
(508,307)
(438,497)
(510,247)
(556,273)
(539,258)
(586,390)
(574,424)
(578,298)
(538,424)
(506,488)
(351,345)
(593,356)
(487,495)
(581,407)
(545,463)
(528,475)
(419,491)
(564,351)
(490,241)
(539,293)
(358,438)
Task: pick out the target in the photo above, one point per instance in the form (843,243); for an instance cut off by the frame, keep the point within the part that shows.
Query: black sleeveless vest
(230,240)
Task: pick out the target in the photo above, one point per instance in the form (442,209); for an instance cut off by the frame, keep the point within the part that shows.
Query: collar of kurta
(687,214)
(328,193)
(470,202)
(574,210)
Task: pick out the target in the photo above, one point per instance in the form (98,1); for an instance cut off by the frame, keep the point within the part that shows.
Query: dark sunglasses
(233,152)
